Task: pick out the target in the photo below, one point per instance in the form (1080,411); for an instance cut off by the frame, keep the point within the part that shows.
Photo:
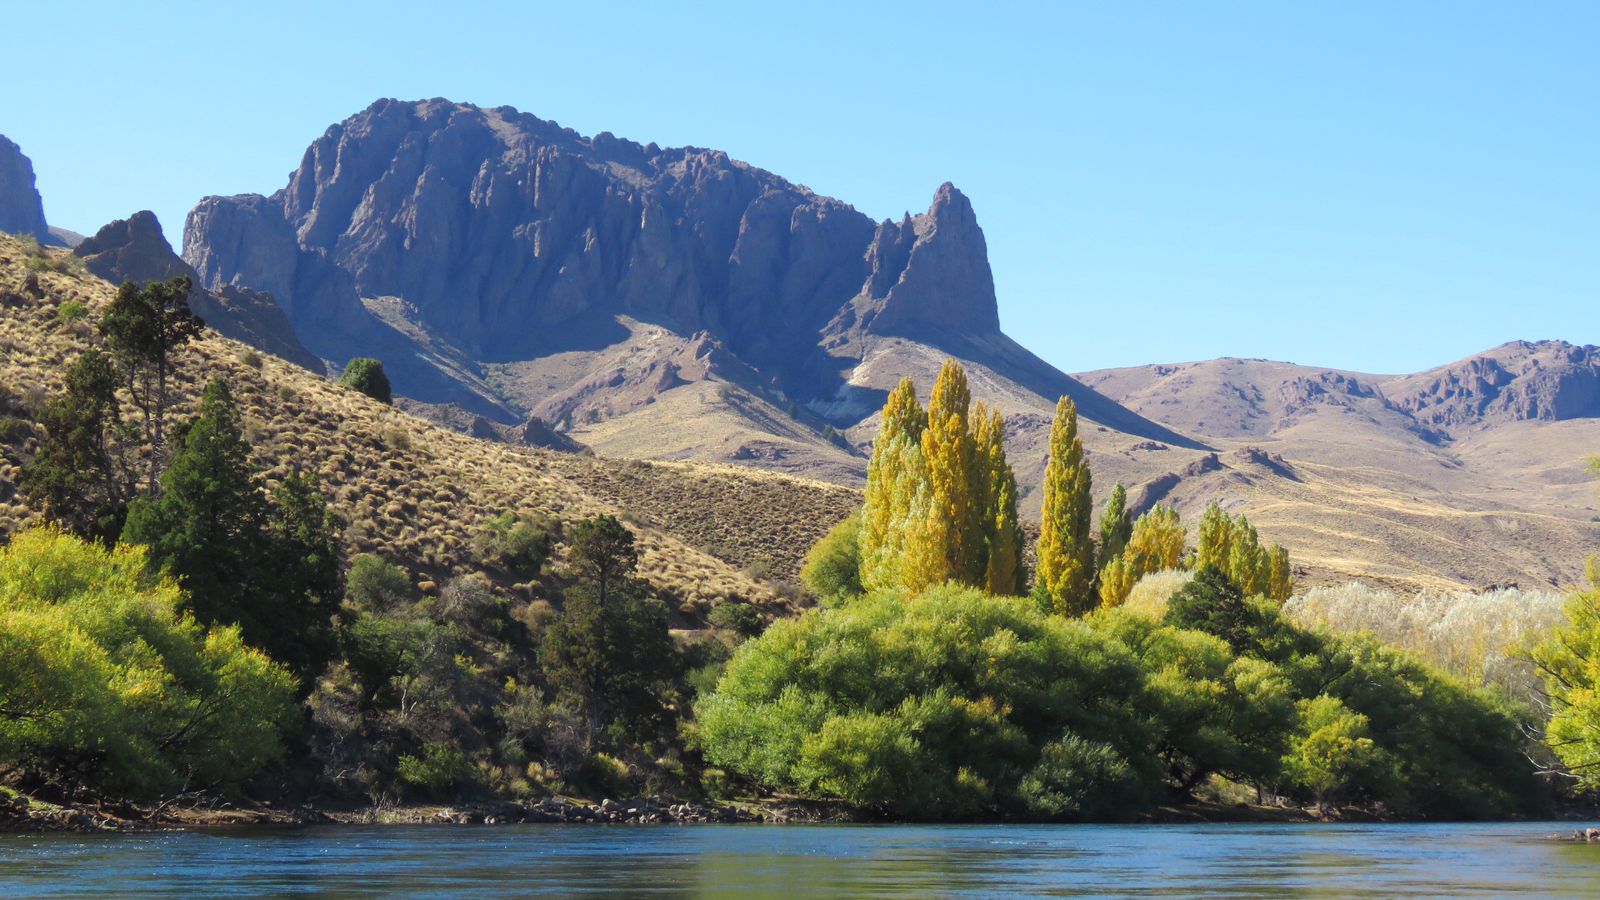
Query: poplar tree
(1247,561)
(1002,534)
(1116,526)
(1280,575)
(1157,540)
(1117,578)
(893,476)
(953,517)
(1216,536)
(1066,548)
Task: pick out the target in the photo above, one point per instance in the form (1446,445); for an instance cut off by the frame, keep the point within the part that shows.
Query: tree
(104,680)
(1157,541)
(1216,536)
(1066,548)
(1334,756)
(367,376)
(143,327)
(1569,660)
(1116,526)
(952,527)
(894,475)
(833,567)
(240,561)
(1247,561)
(80,478)
(1002,533)
(515,544)
(610,650)
(1280,574)
(1117,578)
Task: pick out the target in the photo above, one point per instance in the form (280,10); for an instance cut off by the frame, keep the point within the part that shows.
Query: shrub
(439,769)
(375,585)
(14,430)
(833,567)
(72,311)
(1150,593)
(736,616)
(367,376)
(250,359)
(1477,636)
(517,545)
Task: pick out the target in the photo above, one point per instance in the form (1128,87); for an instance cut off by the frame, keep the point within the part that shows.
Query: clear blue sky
(1379,186)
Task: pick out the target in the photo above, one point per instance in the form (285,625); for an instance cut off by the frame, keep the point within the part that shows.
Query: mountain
(645,301)
(21,209)
(528,284)
(1473,473)
(134,249)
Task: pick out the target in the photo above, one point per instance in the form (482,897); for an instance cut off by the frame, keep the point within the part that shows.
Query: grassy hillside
(418,493)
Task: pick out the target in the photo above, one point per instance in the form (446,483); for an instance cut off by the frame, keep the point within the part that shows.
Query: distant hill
(1474,473)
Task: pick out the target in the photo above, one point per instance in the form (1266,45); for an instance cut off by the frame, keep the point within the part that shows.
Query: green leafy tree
(1569,661)
(367,376)
(1066,548)
(610,650)
(1116,526)
(106,683)
(1216,539)
(515,544)
(143,327)
(896,474)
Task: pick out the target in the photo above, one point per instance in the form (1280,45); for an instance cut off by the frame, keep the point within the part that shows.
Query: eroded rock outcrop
(21,209)
(134,249)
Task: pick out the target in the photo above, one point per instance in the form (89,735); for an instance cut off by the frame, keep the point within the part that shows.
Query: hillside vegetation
(417,493)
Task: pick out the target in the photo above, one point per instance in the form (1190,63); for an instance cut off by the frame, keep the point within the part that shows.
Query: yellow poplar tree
(1157,540)
(1247,561)
(1216,537)
(952,517)
(1280,576)
(893,475)
(1001,531)
(1117,578)
(1066,547)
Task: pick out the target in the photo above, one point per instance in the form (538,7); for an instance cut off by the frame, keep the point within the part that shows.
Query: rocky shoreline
(20,814)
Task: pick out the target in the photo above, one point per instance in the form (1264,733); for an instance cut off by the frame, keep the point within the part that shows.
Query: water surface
(814,861)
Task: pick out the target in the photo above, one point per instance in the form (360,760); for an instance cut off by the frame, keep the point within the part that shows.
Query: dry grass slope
(417,493)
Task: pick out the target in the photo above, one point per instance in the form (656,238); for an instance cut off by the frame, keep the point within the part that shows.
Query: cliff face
(513,268)
(502,230)
(133,249)
(1520,381)
(21,210)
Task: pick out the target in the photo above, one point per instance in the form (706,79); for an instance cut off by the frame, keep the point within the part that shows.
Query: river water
(814,861)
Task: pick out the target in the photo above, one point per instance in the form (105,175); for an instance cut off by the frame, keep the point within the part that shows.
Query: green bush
(515,544)
(102,676)
(833,567)
(953,704)
(367,376)
(440,769)
(374,585)
(736,616)
(72,311)
(14,430)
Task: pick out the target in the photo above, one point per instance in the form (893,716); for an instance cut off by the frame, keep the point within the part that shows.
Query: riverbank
(19,813)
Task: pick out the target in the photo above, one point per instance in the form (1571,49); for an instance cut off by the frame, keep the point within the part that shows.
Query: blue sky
(1375,186)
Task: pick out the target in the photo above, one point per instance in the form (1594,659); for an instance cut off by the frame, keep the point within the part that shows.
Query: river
(813,861)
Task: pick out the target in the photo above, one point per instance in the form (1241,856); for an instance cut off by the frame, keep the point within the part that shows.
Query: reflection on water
(816,861)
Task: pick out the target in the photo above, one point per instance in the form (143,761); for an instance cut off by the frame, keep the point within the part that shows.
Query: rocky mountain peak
(1517,381)
(21,209)
(931,273)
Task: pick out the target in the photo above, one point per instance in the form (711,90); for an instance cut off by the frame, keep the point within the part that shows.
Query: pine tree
(1066,548)
(142,327)
(1002,556)
(892,478)
(80,477)
(954,517)
(1216,535)
(1116,526)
